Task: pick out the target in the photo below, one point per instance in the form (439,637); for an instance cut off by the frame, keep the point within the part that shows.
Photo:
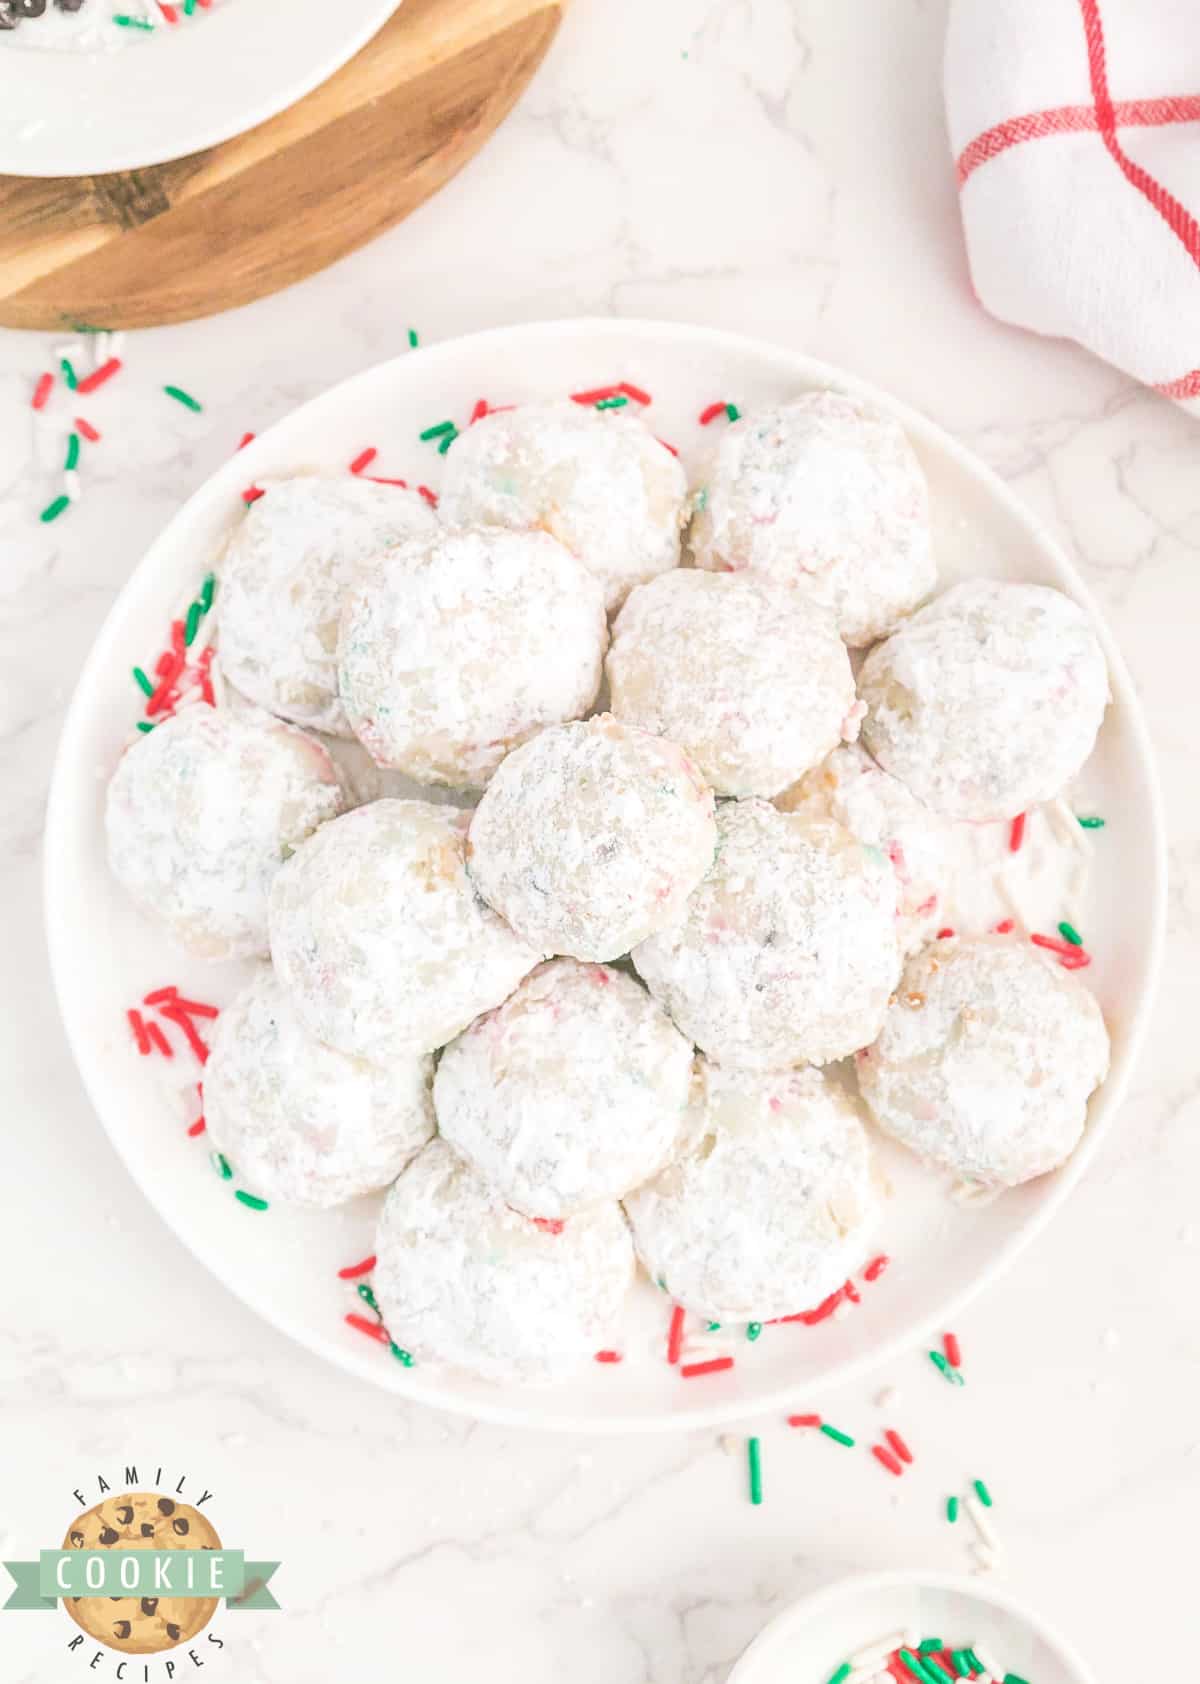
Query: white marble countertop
(773,166)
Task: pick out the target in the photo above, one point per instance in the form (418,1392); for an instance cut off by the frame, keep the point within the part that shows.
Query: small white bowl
(186,88)
(809,1641)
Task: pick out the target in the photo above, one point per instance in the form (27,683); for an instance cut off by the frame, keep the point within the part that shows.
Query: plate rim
(68,79)
(498,1410)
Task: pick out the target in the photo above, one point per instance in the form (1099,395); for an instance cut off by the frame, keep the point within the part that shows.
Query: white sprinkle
(987,1662)
(100,344)
(982,1524)
(1068,826)
(730,1445)
(71,485)
(1004,889)
(116,344)
(871,1654)
(984,1560)
(73,350)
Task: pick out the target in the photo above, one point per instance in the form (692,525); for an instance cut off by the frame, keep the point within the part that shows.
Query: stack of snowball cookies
(592,1022)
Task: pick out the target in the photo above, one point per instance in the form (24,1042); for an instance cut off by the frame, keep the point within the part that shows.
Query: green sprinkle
(206,591)
(928,1645)
(712,1327)
(365,1293)
(250,1199)
(976,1663)
(753,1330)
(412,337)
(843,1672)
(755,1460)
(447,442)
(700,500)
(126,22)
(612,403)
(193,624)
(72,460)
(916,1667)
(436,432)
(143,682)
(189,6)
(959,1662)
(1092,824)
(185,398)
(53,510)
(1014,1678)
(145,725)
(985,1496)
(733,412)
(218,1160)
(833,1433)
(937,1670)
(401,1356)
(952,1510)
(944,1368)
(68,374)
(1069,933)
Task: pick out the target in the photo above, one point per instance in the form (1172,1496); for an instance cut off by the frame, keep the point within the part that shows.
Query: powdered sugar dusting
(571,1093)
(986,1060)
(300,1122)
(459,646)
(598,481)
(788,950)
(988,700)
(380,938)
(592,836)
(201,814)
(771,1205)
(753,682)
(462,1278)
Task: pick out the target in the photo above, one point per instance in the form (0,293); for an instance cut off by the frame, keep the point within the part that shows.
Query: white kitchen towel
(1076,132)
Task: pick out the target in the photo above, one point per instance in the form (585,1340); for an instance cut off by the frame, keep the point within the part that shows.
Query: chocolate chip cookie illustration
(141,1520)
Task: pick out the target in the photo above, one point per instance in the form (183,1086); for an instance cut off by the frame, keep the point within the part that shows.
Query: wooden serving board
(222,227)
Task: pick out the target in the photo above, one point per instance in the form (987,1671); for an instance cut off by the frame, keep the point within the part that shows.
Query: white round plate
(186,87)
(809,1641)
(106,956)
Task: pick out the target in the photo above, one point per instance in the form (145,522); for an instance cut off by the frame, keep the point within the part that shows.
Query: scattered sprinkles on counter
(1016,834)
(944,1368)
(376,1330)
(952,1349)
(754,1459)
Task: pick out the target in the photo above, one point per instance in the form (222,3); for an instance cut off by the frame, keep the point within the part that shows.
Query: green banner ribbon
(169,1573)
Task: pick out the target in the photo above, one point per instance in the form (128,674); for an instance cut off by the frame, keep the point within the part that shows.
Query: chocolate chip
(29,8)
(149,1605)
(173,1632)
(125,1515)
(180,1526)
(77,1540)
(147,1529)
(8,19)
(68,5)
(122,1628)
(109,1536)
(165,1506)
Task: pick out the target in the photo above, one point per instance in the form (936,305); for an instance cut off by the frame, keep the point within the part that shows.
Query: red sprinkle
(804,1420)
(42,391)
(139,1030)
(198,1127)
(691,1370)
(169,12)
(363,460)
(888,1460)
(1004,927)
(608,1356)
(86,430)
(354,1270)
(182,1021)
(876,1267)
(170,673)
(373,1329)
(634,392)
(1017,834)
(852,1292)
(429,496)
(597,395)
(823,1311)
(951,1347)
(206,689)
(943,934)
(252,494)
(158,995)
(711,413)
(675,1334)
(477,414)
(376,479)
(667,446)
(1073,958)
(194,1008)
(898,1445)
(246,438)
(98,376)
(548,1224)
(160,1040)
